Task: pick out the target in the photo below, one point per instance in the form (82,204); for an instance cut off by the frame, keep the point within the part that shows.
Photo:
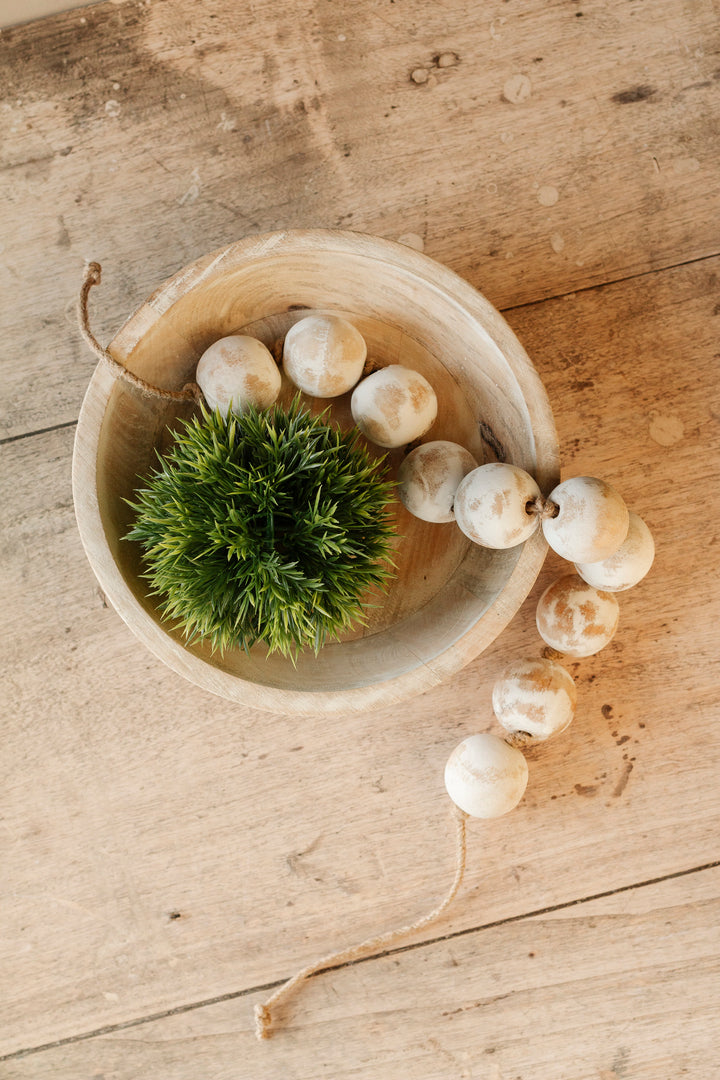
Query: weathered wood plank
(161,846)
(620,987)
(534,148)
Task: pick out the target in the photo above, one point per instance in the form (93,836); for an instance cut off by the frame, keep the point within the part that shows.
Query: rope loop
(93,276)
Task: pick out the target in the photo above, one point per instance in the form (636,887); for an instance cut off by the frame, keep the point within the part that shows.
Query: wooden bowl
(451,598)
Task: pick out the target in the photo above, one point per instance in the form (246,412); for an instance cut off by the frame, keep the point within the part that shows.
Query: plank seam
(124,1025)
(513,307)
(610,282)
(40,431)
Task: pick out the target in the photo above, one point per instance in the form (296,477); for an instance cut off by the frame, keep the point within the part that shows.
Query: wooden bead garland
(535,699)
(497,505)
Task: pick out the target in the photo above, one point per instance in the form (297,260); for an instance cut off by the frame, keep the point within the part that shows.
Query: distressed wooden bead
(491,505)
(236,372)
(485,777)
(537,697)
(575,618)
(592,520)
(394,406)
(629,564)
(324,355)
(429,477)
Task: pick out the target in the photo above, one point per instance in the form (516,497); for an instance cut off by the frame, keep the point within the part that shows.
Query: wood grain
(160,847)
(556,146)
(163,847)
(625,986)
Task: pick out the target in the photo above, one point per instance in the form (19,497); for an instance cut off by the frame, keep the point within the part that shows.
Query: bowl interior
(449,597)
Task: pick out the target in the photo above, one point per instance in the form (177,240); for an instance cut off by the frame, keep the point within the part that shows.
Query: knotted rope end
(263,1022)
(93,273)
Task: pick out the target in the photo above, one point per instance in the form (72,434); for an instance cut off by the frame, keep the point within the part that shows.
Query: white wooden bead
(575,618)
(394,406)
(429,477)
(324,355)
(236,372)
(628,565)
(535,696)
(485,777)
(491,505)
(592,521)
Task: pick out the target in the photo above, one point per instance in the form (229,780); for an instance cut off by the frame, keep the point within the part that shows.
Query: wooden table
(167,856)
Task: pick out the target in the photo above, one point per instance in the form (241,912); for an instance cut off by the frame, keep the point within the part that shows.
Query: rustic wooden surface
(167,854)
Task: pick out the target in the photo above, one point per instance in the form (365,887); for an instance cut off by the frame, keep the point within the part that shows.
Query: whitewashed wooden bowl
(451,598)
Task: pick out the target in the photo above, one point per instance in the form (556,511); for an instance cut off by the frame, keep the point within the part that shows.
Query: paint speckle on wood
(666,430)
(447,60)
(517,89)
(193,192)
(548,195)
(413,240)
(623,781)
(683,166)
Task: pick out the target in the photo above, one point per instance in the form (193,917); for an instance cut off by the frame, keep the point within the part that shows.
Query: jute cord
(520,739)
(264,1013)
(190,392)
(542,507)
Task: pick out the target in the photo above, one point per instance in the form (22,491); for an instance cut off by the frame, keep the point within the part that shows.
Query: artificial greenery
(266,527)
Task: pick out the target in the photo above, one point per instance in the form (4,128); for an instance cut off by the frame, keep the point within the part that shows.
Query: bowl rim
(304,701)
